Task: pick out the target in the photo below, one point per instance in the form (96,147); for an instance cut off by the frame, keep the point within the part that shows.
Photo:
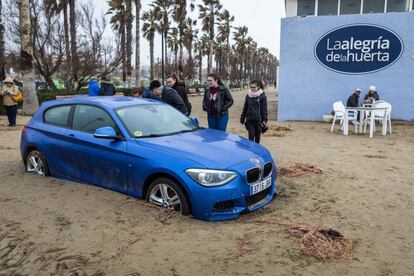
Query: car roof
(108,101)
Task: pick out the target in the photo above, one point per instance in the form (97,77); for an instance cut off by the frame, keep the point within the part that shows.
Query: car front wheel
(36,163)
(167,193)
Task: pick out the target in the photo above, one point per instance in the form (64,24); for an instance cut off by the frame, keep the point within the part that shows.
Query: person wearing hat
(10,106)
(372,95)
(353,100)
(167,95)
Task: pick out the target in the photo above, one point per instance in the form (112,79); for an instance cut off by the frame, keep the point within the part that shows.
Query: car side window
(58,115)
(89,118)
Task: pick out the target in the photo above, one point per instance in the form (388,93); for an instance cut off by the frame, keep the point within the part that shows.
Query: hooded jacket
(93,88)
(180,88)
(223,103)
(107,88)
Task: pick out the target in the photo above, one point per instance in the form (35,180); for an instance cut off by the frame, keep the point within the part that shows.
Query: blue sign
(358,49)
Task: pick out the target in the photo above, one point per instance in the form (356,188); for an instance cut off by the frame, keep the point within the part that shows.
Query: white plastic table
(361,111)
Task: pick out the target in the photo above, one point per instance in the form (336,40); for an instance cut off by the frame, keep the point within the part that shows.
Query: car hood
(212,148)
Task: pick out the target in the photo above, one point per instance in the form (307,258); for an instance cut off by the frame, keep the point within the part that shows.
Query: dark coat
(171,97)
(374,95)
(180,88)
(255,109)
(107,88)
(353,101)
(223,103)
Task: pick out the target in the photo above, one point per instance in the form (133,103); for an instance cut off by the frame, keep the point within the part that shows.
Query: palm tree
(224,31)
(202,47)
(209,11)
(240,37)
(30,103)
(128,25)
(189,35)
(173,42)
(118,21)
(137,41)
(2,57)
(149,28)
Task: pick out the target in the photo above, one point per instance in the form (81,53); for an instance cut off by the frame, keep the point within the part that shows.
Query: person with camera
(254,115)
(8,90)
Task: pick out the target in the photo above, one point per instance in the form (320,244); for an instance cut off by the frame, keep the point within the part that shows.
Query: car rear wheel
(36,163)
(167,193)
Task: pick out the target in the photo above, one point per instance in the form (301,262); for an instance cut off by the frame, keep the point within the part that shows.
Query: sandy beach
(53,227)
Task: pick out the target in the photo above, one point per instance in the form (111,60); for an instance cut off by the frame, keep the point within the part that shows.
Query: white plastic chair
(339,109)
(379,115)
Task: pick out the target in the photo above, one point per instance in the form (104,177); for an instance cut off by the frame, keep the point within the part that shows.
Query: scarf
(255,94)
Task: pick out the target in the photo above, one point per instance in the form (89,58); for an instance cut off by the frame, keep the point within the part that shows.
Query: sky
(262,17)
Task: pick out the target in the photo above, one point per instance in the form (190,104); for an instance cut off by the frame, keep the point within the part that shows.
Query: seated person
(353,100)
(372,95)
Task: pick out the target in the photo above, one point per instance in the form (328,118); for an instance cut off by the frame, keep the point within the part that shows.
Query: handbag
(18,97)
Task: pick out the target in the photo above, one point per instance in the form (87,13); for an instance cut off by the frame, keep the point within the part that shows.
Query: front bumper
(230,200)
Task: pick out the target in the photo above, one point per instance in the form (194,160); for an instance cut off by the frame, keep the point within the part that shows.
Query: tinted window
(398,5)
(328,7)
(373,6)
(89,118)
(58,115)
(306,7)
(350,7)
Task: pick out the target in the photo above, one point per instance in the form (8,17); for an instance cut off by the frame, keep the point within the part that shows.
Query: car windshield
(153,120)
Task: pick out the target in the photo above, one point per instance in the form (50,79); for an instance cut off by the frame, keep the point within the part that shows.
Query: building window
(306,7)
(350,7)
(327,7)
(398,5)
(373,6)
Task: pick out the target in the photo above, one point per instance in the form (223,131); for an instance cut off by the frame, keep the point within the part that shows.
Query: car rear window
(57,115)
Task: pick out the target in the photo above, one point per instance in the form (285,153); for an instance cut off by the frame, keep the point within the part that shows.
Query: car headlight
(211,178)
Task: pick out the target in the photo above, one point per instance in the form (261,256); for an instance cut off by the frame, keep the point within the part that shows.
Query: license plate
(263,185)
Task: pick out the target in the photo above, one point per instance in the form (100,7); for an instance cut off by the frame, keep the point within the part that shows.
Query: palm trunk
(30,103)
(200,67)
(151,42)
(67,40)
(137,42)
(73,43)
(129,41)
(123,52)
(2,57)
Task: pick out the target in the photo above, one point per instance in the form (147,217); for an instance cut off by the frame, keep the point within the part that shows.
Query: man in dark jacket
(372,95)
(173,82)
(353,100)
(168,95)
(107,87)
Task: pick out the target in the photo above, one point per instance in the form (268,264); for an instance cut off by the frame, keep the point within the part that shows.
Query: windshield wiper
(169,133)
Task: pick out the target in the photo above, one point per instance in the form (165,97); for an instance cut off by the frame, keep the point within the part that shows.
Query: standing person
(372,95)
(217,101)
(353,100)
(10,106)
(93,88)
(167,95)
(174,83)
(107,87)
(254,115)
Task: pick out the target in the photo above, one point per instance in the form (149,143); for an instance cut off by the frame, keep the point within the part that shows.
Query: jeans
(219,123)
(11,112)
(253,127)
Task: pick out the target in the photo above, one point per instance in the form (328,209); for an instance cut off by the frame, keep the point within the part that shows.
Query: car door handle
(71,135)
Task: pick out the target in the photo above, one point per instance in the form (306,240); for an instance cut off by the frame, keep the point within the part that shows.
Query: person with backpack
(254,115)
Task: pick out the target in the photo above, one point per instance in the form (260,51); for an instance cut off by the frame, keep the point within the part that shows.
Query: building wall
(308,89)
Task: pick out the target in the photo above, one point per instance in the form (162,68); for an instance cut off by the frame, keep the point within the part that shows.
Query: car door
(98,161)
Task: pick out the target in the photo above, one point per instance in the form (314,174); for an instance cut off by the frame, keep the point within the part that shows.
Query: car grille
(223,206)
(267,169)
(253,175)
(258,198)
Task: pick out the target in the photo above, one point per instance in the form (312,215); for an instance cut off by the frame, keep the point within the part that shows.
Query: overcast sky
(262,17)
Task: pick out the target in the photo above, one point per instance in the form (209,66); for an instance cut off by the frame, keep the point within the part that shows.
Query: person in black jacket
(254,115)
(167,95)
(372,95)
(174,83)
(353,100)
(107,87)
(217,101)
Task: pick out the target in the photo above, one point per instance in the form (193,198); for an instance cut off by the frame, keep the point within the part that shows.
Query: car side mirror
(195,121)
(106,133)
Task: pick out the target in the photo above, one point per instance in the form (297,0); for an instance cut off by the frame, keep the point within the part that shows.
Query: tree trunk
(129,40)
(200,67)
(67,42)
(137,42)
(151,42)
(73,43)
(30,102)
(123,52)
(2,57)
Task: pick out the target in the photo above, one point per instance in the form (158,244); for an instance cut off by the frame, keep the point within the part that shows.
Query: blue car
(149,150)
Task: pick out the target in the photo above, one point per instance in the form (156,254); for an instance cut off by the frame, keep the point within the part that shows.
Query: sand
(52,227)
